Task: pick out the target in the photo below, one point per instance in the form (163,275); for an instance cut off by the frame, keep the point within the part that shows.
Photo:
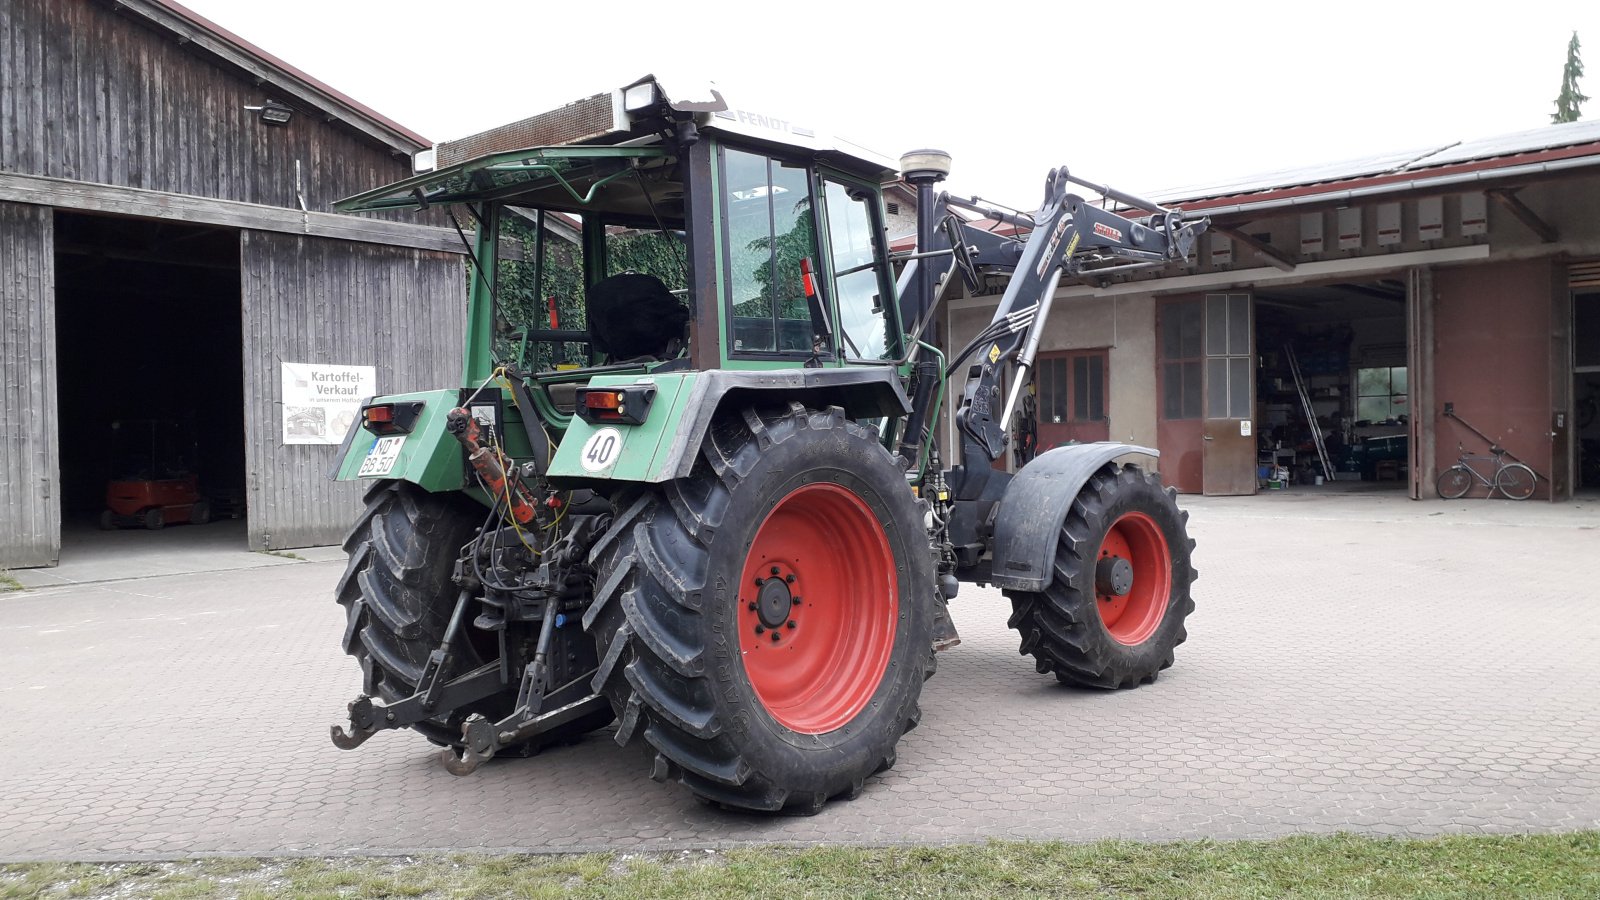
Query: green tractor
(717,512)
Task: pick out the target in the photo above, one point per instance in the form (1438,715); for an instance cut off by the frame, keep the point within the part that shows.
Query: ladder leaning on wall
(1311,413)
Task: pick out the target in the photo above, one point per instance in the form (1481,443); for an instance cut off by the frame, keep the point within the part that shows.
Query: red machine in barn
(153,481)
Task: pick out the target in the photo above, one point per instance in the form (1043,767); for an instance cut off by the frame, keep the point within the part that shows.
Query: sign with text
(320,403)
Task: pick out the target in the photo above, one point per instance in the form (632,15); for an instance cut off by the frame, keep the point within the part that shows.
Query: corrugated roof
(1511,145)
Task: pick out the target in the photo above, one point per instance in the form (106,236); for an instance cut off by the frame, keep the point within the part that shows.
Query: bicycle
(1513,479)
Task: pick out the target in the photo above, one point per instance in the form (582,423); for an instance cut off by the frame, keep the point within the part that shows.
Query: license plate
(381,458)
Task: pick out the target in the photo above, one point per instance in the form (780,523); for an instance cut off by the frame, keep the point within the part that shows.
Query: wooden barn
(175,292)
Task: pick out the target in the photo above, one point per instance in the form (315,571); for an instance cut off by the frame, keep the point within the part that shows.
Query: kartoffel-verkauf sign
(321,402)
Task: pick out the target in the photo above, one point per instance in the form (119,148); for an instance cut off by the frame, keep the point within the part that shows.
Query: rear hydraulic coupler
(520,500)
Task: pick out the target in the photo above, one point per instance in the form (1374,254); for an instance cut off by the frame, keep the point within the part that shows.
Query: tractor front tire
(398,598)
(1115,607)
(765,625)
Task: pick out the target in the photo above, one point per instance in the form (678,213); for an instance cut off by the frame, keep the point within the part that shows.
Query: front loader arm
(1072,238)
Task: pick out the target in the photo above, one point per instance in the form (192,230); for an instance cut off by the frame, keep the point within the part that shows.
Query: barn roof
(192,28)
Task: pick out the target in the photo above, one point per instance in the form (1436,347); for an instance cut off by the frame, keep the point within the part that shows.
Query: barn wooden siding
(313,300)
(91,94)
(30,512)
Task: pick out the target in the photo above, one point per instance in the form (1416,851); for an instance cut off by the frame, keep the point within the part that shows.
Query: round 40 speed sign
(601,450)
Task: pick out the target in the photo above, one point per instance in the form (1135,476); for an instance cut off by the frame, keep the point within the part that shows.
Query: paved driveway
(1355,663)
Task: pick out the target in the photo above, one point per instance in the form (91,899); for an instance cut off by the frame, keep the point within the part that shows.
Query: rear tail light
(624,405)
(604,400)
(391,418)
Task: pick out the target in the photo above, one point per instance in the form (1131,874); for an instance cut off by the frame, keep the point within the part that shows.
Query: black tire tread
(657,679)
(1059,626)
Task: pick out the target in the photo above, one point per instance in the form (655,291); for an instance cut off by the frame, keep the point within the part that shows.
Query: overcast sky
(1153,96)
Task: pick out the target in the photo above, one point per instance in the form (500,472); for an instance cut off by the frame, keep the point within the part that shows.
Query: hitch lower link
(481,738)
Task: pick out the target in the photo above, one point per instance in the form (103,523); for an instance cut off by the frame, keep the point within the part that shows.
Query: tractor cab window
(546,298)
(771,250)
(858,272)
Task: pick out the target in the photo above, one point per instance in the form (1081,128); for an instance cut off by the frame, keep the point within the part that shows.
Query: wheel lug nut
(775,637)
(789,578)
(760,629)
(795,600)
(774,570)
(792,625)
(751,606)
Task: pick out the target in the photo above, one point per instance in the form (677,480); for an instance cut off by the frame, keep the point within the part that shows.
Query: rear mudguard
(666,444)
(1028,523)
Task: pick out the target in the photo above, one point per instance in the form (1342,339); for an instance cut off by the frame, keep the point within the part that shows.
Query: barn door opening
(1582,434)
(150,367)
(1229,437)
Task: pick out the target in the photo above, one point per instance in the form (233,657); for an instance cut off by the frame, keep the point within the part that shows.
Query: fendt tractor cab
(689,480)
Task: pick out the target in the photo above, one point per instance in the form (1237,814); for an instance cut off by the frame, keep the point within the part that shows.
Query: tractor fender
(669,441)
(863,392)
(1028,523)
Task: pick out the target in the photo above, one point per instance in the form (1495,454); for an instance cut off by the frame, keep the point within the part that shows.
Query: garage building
(166,249)
(1433,301)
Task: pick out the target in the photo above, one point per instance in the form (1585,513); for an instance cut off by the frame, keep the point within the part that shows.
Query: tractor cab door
(807,276)
(775,314)
(861,287)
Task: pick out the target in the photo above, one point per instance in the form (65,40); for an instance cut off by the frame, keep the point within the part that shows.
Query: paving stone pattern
(1355,663)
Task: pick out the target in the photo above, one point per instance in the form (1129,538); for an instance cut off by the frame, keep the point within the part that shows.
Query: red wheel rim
(818,600)
(1131,617)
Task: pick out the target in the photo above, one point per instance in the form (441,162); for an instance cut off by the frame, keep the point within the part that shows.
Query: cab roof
(559,158)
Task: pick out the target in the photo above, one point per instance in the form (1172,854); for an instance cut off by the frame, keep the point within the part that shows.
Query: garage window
(1381,393)
(1182,353)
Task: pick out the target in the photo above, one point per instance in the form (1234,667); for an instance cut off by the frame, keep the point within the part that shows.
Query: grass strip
(1341,865)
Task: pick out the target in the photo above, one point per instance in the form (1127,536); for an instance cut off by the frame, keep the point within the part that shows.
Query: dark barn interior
(149,336)
(1349,340)
(1586,387)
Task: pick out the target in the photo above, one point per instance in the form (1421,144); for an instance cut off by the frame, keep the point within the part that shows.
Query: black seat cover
(634,315)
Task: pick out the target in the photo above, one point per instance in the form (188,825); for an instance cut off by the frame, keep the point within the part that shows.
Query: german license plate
(381,458)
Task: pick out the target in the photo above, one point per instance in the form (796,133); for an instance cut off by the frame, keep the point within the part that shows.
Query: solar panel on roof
(1531,141)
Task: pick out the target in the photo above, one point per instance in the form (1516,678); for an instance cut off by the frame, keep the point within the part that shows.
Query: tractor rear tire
(765,625)
(398,598)
(1079,627)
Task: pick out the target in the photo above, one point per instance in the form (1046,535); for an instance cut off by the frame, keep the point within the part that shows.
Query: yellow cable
(561,515)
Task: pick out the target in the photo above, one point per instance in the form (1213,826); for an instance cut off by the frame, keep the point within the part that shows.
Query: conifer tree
(1570,101)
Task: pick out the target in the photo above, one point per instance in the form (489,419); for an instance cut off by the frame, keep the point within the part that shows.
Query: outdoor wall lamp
(272,113)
